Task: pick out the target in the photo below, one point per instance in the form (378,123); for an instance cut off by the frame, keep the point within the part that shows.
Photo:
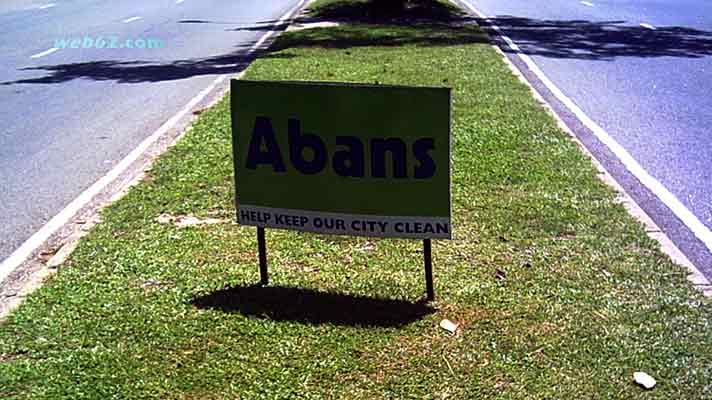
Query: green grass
(559,291)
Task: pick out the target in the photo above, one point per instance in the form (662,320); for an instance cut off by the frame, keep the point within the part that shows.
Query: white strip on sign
(345,224)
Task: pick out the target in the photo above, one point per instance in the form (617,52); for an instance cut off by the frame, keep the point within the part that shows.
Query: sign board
(342,158)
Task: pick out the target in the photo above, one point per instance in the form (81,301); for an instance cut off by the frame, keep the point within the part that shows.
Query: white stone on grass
(644,380)
(449,325)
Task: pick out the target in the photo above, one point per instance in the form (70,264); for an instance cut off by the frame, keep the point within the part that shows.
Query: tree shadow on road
(421,23)
(142,71)
(430,17)
(600,40)
(432,23)
(312,307)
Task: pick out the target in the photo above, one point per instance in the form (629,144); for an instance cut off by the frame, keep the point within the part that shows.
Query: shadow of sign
(311,307)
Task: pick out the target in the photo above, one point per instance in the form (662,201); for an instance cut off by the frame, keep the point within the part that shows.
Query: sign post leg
(262,249)
(428,259)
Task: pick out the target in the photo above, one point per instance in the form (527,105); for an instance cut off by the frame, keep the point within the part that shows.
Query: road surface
(68,115)
(642,71)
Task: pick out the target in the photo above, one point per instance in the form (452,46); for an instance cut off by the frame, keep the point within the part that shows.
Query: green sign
(342,158)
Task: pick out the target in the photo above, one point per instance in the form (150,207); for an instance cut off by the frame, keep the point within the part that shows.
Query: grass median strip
(558,291)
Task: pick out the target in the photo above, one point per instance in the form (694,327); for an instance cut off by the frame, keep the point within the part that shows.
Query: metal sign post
(427,259)
(262,249)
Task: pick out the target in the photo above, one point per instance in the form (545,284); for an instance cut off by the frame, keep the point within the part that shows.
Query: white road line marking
(46,6)
(38,238)
(132,19)
(661,192)
(179,1)
(45,53)
(647,26)
(587,4)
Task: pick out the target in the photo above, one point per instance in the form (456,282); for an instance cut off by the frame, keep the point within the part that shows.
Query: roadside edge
(695,276)
(27,268)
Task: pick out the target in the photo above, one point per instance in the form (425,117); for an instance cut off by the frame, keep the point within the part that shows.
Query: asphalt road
(67,116)
(642,70)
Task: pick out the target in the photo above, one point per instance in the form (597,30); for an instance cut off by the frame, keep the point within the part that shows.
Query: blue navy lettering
(421,147)
(264,134)
(349,162)
(299,142)
(421,227)
(397,148)
(308,153)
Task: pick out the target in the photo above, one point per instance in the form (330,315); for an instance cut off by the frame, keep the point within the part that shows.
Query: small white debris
(183,221)
(368,246)
(190,220)
(165,219)
(449,325)
(312,25)
(151,283)
(644,380)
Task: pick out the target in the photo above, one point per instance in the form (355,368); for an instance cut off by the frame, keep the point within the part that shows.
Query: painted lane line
(661,192)
(587,4)
(647,26)
(25,250)
(45,53)
(179,1)
(132,19)
(46,6)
